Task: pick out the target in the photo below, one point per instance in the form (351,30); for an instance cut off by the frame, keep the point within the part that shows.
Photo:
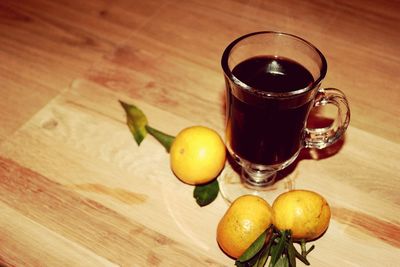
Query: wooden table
(76,190)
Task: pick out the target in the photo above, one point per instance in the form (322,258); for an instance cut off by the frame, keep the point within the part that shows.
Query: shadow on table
(315,120)
(311,154)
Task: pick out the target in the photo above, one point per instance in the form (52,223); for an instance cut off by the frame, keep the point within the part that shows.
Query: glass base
(258,178)
(232,185)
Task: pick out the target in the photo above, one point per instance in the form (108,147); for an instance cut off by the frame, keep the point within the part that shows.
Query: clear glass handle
(326,136)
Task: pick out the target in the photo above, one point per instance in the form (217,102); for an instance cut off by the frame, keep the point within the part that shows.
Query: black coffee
(267,130)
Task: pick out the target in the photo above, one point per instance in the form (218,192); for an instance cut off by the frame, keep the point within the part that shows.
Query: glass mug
(272,82)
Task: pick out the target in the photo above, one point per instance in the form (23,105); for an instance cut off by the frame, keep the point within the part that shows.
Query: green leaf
(301,257)
(254,248)
(250,263)
(206,193)
(304,252)
(239,264)
(136,121)
(310,249)
(282,261)
(277,249)
(291,253)
(263,258)
(165,139)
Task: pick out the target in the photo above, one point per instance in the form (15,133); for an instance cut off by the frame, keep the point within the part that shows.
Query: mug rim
(271,94)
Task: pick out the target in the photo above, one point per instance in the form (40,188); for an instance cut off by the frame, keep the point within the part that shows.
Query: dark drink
(264,129)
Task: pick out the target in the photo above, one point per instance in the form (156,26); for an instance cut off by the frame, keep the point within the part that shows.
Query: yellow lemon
(304,212)
(245,220)
(197,155)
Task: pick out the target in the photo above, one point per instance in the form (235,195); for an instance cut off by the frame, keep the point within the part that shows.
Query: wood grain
(46,44)
(47,204)
(76,190)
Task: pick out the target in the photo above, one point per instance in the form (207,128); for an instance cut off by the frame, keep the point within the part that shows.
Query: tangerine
(305,213)
(197,155)
(244,221)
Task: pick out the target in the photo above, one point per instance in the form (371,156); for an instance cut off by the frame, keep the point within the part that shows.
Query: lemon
(305,213)
(244,221)
(197,155)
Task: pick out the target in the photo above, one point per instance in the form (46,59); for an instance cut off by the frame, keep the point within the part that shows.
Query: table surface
(76,190)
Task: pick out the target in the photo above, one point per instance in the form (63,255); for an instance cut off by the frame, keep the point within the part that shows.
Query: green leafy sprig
(139,127)
(275,247)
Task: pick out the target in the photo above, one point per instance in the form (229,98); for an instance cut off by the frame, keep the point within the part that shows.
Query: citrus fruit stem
(165,139)
(303,248)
